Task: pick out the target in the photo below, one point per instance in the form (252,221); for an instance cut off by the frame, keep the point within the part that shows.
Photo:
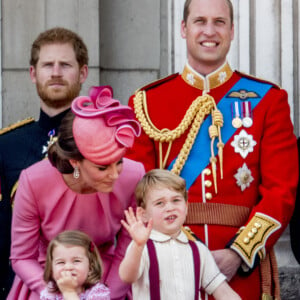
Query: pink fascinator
(103,128)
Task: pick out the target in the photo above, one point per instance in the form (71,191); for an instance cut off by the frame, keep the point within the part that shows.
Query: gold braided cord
(194,116)
(165,135)
(213,133)
(207,104)
(218,122)
(164,163)
(160,155)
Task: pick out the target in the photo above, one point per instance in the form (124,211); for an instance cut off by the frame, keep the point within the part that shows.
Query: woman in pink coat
(85,185)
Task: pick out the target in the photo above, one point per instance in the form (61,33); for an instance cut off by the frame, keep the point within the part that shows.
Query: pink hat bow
(103,128)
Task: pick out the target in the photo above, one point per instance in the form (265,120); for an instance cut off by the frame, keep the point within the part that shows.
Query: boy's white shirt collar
(161,237)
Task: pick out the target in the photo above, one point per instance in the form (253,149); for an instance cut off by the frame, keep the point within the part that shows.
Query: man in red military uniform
(230,136)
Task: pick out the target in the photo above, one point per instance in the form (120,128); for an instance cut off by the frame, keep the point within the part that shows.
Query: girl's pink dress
(97,292)
(44,206)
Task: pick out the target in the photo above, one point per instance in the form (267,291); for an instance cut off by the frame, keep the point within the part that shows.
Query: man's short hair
(186,10)
(61,36)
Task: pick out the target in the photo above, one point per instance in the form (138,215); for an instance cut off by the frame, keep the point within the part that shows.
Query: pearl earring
(76,173)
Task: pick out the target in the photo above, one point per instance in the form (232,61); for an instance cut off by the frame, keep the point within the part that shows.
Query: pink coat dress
(45,205)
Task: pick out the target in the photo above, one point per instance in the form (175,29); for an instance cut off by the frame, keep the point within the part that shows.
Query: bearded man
(58,68)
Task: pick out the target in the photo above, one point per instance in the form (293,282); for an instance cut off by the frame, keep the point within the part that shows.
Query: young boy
(170,266)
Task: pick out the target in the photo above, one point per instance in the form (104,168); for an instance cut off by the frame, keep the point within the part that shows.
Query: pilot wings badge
(243,94)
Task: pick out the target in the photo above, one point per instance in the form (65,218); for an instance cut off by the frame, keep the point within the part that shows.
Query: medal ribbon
(236,109)
(247,109)
(199,156)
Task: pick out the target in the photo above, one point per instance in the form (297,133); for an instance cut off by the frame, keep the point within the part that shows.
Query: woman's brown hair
(65,148)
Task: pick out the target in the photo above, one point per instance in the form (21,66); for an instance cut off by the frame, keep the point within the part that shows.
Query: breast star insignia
(243,177)
(243,143)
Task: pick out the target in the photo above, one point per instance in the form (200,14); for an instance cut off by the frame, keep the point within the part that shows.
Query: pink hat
(103,128)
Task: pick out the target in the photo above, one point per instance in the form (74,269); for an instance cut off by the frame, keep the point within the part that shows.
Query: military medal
(243,143)
(236,122)
(247,122)
(243,177)
(247,119)
(235,112)
(52,139)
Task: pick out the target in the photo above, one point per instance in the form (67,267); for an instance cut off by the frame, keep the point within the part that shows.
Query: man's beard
(58,97)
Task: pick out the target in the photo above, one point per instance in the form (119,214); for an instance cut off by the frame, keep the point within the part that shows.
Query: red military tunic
(255,198)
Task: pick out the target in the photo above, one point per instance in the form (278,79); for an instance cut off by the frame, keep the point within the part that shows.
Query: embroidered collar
(208,82)
(157,236)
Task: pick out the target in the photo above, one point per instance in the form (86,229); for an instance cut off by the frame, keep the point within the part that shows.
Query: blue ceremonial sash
(200,154)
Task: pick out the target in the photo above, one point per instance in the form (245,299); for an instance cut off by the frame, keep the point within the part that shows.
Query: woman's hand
(136,227)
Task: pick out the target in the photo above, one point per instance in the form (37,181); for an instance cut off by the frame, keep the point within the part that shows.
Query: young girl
(73,269)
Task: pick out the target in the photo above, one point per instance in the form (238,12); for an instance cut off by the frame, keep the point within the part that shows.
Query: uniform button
(208,196)
(250,234)
(207,171)
(246,240)
(257,225)
(208,183)
(254,230)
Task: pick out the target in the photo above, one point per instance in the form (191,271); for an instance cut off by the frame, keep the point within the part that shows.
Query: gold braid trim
(254,236)
(16,125)
(165,135)
(205,105)
(194,116)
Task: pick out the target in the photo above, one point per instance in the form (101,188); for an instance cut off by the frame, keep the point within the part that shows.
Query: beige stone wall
(130,44)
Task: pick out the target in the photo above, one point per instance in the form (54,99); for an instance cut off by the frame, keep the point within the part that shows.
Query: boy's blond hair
(159,178)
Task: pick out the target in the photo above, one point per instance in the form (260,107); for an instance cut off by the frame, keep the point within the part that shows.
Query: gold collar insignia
(209,81)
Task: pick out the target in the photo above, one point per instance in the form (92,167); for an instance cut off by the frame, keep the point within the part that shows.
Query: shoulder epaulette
(157,82)
(258,79)
(16,125)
